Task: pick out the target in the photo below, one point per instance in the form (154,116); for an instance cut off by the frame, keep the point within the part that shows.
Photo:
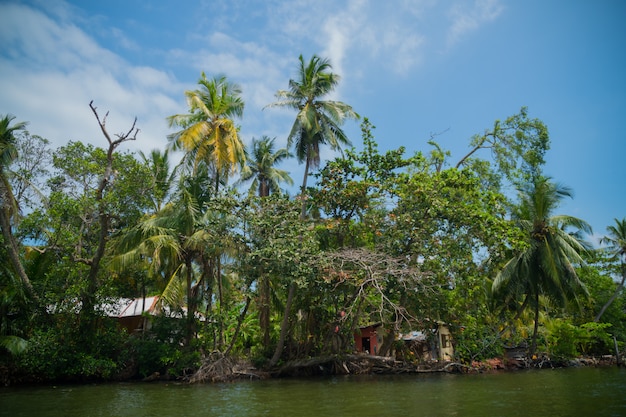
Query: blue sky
(415,68)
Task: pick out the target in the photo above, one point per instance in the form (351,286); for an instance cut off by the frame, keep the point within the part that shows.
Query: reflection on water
(561,392)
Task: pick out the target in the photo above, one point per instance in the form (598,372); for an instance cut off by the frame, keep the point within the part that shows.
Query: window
(446,341)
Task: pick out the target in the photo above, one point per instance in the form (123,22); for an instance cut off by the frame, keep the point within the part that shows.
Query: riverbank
(219,368)
(224,369)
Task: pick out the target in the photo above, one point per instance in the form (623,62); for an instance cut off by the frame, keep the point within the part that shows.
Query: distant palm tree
(260,166)
(209,132)
(616,244)
(163,176)
(8,203)
(318,121)
(545,266)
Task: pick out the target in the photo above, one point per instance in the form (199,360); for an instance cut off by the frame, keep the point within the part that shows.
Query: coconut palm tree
(166,242)
(209,134)
(545,266)
(162,176)
(318,121)
(261,167)
(616,244)
(8,204)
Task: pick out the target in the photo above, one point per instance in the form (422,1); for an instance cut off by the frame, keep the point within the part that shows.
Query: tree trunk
(242,316)
(284,326)
(11,245)
(220,296)
(619,288)
(385,348)
(191,304)
(533,346)
(89,296)
(264,307)
(303,189)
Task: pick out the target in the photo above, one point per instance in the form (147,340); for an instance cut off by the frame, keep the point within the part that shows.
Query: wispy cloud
(467,17)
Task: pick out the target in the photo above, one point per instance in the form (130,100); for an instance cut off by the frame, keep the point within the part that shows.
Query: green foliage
(161,349)
(62,353)
(565,340)
(597,340)
(475,341)
(518,145)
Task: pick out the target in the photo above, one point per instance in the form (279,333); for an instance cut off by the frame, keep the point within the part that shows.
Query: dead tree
(104,217)
(370,274)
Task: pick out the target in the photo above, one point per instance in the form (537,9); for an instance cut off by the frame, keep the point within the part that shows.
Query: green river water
(560,392)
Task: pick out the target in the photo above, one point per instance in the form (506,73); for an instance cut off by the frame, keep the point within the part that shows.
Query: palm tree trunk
(304,181)
(533,346)
(619,288)
(522,308)
(9,242)
(191,304)
(220,290)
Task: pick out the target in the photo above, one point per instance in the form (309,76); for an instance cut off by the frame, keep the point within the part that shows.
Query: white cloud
(468,18)
(50,71)
(370,32)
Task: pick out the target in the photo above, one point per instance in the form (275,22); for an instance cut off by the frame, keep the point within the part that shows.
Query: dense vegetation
(395,238)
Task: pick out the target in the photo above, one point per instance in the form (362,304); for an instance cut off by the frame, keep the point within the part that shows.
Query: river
(568,392)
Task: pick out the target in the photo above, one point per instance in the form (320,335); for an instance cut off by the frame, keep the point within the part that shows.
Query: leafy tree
(318,121)
(518,145)
(209,132)
(616,245)
(94,193)
(283,247)
(267,178)
(545,265)
(351,190)
(30,170)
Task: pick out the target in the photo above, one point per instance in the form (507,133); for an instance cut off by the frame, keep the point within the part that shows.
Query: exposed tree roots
(361,364)
(220,368)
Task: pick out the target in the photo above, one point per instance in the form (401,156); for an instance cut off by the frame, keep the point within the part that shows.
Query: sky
(416,69)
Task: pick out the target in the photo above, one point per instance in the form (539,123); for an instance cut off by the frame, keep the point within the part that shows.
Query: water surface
(560,392)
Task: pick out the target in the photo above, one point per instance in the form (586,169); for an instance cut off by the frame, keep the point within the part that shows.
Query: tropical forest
(207,261)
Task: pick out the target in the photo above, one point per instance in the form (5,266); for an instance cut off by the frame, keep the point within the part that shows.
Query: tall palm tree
(261,167)
(318,121)
(616,244)
(545,266)
(8,204)
(209,133)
